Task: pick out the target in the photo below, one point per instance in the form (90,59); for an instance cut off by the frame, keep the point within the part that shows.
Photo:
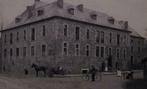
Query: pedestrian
(93,73)
(26,71)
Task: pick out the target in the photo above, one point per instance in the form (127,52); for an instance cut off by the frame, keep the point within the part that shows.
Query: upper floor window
(17,36)
(11,52)
(118,39)
(97,51)
(97,36)
(43,50)
(65,49)
(17,51)
(77,32)
(77,49)
(24,51)
(71,11)
(110,51)
(110,37)
(11,38)
(44,30)
(118,54)
(5,38)
(124,53)
(87,35)
(87,50)
(40,12)
(24,33)
(102,37)
(132,49)
(65,30)
(102,51)
(32,51)
(5,53)
(33,34)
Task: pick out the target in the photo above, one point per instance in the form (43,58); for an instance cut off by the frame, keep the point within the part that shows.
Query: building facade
(61,34)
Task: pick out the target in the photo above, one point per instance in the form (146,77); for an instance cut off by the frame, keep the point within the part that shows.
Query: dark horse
(39,68)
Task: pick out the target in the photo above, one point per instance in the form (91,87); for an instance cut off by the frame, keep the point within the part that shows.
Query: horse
(39,68)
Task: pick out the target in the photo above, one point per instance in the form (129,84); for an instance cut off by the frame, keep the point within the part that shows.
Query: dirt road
(107,82)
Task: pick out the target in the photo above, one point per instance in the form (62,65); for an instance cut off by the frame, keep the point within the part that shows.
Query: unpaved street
(108,82)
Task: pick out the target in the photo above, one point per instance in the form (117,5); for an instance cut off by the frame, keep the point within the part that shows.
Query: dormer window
(111,20)
(94,16)
(71,11)
(17,20)
(80,7)
(40,12)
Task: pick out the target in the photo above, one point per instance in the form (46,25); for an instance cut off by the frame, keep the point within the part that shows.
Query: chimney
(60,3)
(29,9)
(36,0)
(80,7)
(126,25)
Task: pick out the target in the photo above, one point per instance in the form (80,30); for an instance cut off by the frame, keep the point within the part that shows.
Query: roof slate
(52,9)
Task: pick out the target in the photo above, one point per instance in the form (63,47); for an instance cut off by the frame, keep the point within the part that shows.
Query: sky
(133,11)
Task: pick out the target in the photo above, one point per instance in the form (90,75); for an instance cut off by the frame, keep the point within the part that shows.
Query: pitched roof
(52,9)
(134,33)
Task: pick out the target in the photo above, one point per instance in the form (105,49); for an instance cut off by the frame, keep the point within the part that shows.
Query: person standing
(93,73)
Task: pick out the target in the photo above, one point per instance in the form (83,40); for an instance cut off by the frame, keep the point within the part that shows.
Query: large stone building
(61,34)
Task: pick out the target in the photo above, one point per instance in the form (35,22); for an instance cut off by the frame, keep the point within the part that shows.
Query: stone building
(137,50)
(62,34)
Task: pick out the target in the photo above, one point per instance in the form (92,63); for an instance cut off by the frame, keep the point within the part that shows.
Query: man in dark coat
(93,72)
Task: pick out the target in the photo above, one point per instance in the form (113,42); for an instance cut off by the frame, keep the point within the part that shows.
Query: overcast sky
(134,11)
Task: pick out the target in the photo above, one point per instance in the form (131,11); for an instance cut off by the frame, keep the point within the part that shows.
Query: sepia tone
(71,37)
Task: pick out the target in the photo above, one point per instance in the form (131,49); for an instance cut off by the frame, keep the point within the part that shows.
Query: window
(11,52)
(97,36)
(65,30)
(5,39)
(93,16)
(40,12)
(17,36)
(33,34)
(87,35)
(102,37)
(17,51)
(102,51)
(32,51)
(117,53)
(24,51)
(110,37)
(43,50)
(132,60)
(11,38)
(110,51)
(97,51)
(77,32)
(139,50)
(43,32)
(77,50)
(87,50)
(65,49)
(124,53)
(118,39)
(5,53)
(24,33)
(132,49)
(71,11)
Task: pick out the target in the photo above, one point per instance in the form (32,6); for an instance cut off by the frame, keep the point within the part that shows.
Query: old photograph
(73,44)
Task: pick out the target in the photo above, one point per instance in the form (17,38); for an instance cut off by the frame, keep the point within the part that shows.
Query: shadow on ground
(136,84)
